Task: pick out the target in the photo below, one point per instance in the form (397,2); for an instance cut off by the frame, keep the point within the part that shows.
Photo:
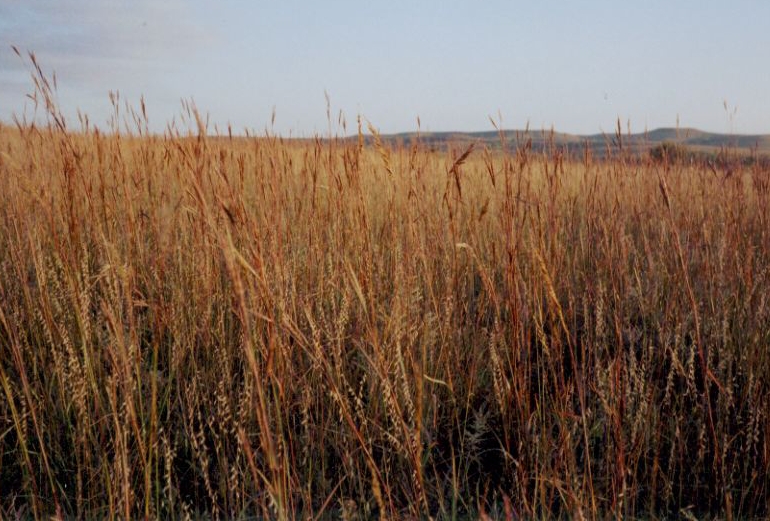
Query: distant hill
(690,138)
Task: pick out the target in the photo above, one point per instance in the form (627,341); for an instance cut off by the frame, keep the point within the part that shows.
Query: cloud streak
(95,46)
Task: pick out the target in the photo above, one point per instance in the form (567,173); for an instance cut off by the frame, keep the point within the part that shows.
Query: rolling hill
(690,138)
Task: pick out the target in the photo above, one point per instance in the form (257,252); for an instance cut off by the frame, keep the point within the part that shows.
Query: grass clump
(235,327)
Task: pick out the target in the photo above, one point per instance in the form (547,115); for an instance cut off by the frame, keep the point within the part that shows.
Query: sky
(577,67)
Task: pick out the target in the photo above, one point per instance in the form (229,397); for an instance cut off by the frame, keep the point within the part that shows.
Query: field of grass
(252,327)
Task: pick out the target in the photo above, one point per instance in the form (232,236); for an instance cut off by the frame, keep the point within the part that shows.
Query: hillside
(598,143)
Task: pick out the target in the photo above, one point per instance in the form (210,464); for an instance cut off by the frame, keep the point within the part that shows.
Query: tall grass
(234,327)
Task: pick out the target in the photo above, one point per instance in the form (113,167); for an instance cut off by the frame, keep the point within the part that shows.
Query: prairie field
(196,325)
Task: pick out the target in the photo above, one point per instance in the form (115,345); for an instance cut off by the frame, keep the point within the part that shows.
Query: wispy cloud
(96,45)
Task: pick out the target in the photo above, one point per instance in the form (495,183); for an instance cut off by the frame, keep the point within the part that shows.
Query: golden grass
(256,327)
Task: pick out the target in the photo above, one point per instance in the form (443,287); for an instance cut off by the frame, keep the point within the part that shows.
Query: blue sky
(576,66)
